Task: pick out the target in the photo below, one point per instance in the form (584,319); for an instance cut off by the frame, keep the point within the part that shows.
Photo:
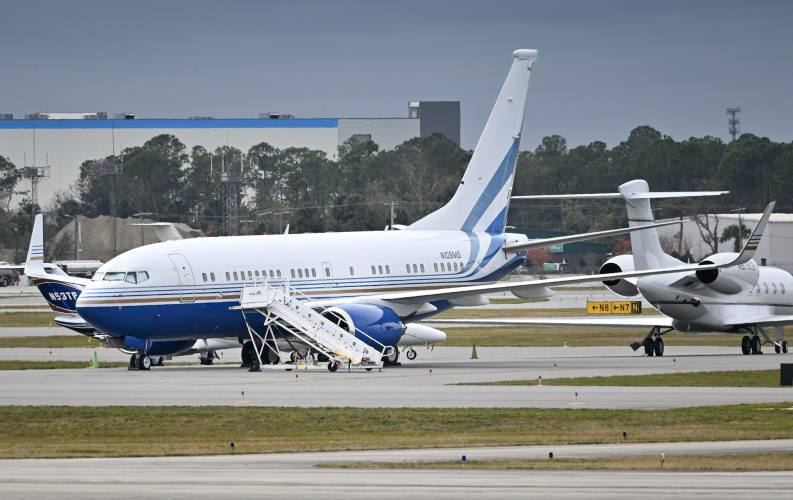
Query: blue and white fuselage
(184,289)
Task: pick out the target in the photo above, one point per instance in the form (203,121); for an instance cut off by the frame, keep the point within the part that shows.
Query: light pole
(140,216)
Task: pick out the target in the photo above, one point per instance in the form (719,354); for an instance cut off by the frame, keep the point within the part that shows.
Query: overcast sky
(605,67)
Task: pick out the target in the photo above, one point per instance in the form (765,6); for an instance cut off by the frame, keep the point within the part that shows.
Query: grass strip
(485,313)
(758,378)
(521,336)
(51,342)
(56,365)
(42,431)
(750,462)
(25,319)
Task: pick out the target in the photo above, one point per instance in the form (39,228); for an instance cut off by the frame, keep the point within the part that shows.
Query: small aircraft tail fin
(34,265)
(482,199)
(646,245)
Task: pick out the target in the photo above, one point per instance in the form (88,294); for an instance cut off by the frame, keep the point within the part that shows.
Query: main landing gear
(143,361)
(652,343)
(751,344)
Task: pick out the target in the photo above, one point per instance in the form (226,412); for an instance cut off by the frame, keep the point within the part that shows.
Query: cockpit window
(144,275)
(113,276)
(97,276)
(131,278)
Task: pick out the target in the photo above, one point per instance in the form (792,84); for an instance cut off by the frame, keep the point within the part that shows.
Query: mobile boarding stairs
(284,312)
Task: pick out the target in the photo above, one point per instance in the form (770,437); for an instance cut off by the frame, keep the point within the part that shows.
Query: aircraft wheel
(159,361)
(392,358)
(207,361)
(411,354)
(777,349)
(756,346)
(333,366)
(784,346)
(746,345)
(659,346)
(270,356)
(133,362)
(649,347)
(293,356)
(255,365)
(368,369)
(247,353)
(144,362)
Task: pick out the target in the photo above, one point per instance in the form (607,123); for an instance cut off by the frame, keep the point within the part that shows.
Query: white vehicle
(348,296)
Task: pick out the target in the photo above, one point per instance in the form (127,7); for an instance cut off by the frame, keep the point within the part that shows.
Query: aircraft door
(186,278)
(327,274)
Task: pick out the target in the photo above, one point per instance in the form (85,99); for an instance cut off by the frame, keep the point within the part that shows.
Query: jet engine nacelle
(620,264)
(380,324)
(728,280)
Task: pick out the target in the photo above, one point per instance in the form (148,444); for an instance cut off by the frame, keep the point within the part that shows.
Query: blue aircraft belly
(169,321)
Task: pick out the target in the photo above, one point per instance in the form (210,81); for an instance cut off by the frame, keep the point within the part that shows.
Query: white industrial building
(774,249)
(63,141)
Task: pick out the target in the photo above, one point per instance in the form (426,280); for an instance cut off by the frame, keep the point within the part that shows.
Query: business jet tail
(481,202)
(646,244)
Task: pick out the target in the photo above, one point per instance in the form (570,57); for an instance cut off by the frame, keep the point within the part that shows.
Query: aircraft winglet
(754,239)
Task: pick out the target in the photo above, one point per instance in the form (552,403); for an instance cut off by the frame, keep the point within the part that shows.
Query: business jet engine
(728,280)
(379,324)
(624,287)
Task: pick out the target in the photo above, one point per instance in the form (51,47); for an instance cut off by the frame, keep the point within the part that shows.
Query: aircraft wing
(539,288)
(647,321)
(761,320)
(547,242)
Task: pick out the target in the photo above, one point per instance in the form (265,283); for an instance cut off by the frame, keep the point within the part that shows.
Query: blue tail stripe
(497,182)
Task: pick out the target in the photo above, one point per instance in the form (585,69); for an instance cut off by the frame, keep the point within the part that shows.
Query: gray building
(63,141)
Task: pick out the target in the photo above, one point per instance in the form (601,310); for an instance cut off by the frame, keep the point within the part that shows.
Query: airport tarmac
(296,475)
(409,385)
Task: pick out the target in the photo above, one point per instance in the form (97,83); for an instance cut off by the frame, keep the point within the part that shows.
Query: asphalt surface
(296,475)
(408,385)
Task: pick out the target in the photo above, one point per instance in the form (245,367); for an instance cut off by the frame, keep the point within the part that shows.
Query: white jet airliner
(741,298)
(376,284)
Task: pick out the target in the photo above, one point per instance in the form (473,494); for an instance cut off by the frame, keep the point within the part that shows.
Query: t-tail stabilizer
(482,199)
(646,244)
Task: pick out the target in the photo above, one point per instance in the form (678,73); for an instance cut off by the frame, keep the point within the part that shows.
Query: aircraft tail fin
(34,264)
(481,202)
(59,290)
(647,251)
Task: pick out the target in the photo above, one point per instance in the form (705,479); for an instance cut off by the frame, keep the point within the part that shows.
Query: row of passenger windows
(773,288)
(443,267)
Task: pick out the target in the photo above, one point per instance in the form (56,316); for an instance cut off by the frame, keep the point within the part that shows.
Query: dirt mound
(97,236)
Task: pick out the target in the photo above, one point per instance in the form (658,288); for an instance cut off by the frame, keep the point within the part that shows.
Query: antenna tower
(35,174)
(734,122)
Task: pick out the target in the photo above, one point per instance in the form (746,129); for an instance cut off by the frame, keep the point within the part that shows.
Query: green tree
(732,233)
